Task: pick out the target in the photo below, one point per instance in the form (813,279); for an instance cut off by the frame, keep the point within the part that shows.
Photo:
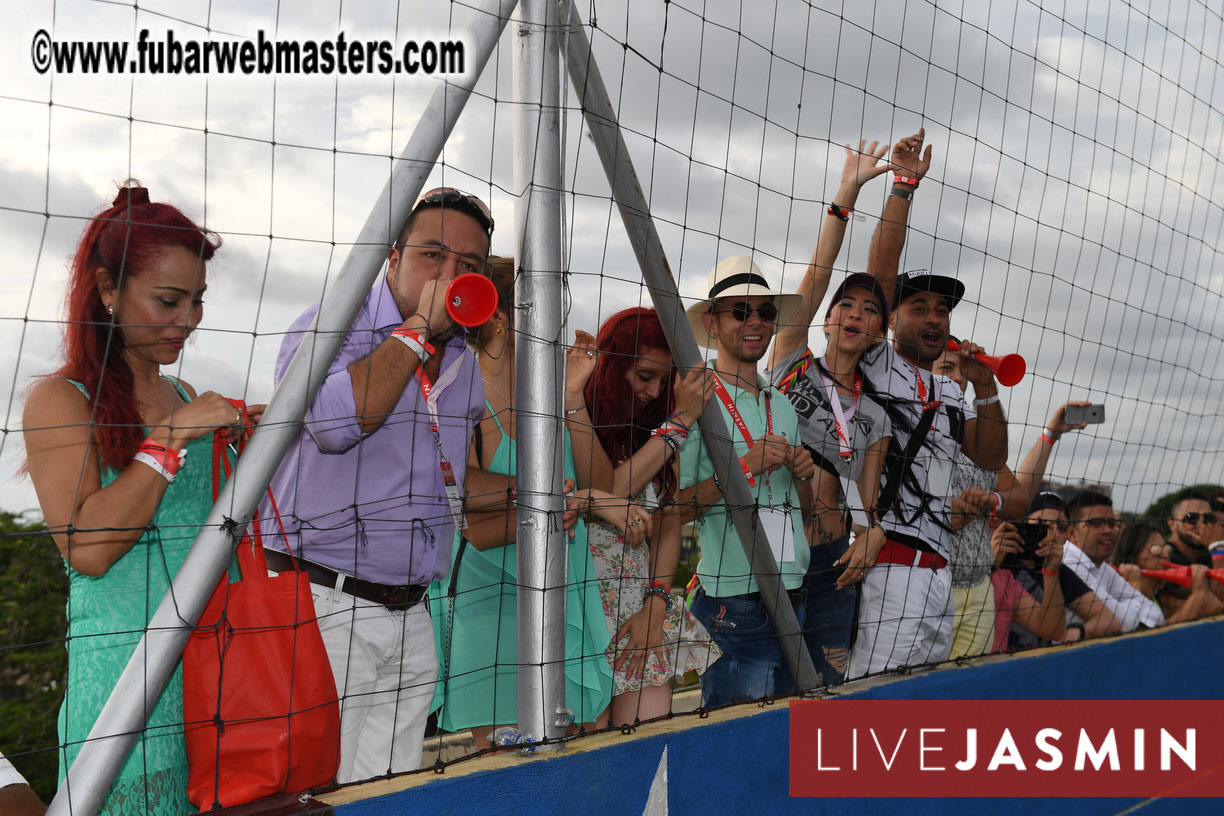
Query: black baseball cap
(921,282)
(1047,500)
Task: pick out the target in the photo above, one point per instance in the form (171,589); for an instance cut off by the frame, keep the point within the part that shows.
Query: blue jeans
(751,666)
(830,612)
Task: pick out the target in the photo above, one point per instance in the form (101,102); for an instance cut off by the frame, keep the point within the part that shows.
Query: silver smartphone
(1085,414)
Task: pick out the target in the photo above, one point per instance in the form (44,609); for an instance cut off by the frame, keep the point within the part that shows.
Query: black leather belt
(395,598)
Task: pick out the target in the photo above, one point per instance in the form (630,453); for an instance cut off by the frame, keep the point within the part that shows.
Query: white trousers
(385,666)
(905,619)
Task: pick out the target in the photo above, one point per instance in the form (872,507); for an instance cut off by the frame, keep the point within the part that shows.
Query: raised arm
(591,464)
(861,166)
(985,440)
(1032,470)
(378,380)
(692,391)
(1047,619)
(885,256)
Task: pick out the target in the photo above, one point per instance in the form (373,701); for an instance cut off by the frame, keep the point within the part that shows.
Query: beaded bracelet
(656,589)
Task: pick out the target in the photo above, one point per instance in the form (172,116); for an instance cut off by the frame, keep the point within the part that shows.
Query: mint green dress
(107,616)
(483,685)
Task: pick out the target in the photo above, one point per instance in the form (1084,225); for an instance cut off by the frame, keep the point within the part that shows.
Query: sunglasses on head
(1194,518)
(743,310)
(451,197)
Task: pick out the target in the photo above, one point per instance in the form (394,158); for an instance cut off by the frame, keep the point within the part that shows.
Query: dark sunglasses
(743,310)
(451,197)
(1193,518)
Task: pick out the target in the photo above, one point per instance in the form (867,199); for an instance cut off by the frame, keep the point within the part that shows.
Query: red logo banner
(882,748)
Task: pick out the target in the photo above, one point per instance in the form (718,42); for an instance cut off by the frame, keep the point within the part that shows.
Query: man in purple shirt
(366,493)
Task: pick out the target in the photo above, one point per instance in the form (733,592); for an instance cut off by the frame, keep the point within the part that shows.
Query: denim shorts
(751,666)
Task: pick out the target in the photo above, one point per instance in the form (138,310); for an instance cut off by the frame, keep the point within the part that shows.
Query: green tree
(33,660)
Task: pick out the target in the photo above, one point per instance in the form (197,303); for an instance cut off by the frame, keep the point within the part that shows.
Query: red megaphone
(1216,575)
(1009,369)
(1177,575)
(471,299)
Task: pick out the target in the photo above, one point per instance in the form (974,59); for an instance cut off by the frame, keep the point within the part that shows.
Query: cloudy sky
(1076,161)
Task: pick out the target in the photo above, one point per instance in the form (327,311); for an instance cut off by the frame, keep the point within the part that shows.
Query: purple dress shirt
(373,506)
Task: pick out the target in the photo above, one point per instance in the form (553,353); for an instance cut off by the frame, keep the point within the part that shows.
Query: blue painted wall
(741,766)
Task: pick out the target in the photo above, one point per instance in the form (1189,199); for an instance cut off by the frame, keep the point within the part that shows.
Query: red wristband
(840,212)
(415,341)
(1045,437)
(661,585)
(1049,573)
(171,460)
(900,179)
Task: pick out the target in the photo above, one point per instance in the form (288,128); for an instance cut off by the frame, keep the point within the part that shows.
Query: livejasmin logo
(1007,754)
(1006,748)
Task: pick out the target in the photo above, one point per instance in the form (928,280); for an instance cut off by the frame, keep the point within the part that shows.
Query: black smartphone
(1085,414)
(1032,533)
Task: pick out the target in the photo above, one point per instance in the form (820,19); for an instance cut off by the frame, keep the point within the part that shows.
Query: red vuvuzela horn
(1216,575)
(1009,369)
(471,299)
(1177,575)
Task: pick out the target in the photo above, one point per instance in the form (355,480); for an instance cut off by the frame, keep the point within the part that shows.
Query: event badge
(776,525)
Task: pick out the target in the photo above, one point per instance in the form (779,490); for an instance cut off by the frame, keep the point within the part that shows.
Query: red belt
(894,552)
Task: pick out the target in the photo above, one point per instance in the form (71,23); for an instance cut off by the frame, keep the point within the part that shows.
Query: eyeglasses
(1193,518)
(451,197)
(1159,549)
(743,310)
(1098,523)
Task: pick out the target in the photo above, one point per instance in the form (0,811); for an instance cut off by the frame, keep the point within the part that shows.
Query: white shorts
(904,619)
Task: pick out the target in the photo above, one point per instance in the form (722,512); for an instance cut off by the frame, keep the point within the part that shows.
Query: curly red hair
(621,424)
(123,239)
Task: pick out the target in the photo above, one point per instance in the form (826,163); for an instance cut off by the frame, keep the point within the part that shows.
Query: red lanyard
(840,419)
(454,497)
(426,388)
(729,404)
(922,390)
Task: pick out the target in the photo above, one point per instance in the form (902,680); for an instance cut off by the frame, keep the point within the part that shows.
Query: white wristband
(417,347)
(978,403)
(156,465)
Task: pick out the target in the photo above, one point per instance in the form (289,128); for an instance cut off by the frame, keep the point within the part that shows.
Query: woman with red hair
(120,458)
(641,414)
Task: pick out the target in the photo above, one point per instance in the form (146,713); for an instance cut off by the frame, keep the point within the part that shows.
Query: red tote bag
(259,699)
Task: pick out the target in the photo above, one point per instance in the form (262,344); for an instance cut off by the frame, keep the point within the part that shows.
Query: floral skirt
(623,573)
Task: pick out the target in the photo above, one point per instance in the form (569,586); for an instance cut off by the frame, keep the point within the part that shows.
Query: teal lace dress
(482,688)
(107,616)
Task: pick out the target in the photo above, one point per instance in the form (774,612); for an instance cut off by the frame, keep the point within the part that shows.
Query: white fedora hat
(739,276)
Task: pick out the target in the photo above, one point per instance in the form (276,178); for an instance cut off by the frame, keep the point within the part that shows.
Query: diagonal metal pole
(635,212)
(128,707)
(541,544)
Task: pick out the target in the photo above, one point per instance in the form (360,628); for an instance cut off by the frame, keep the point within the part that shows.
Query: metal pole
(635,212)
(158,652)
(538,362)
